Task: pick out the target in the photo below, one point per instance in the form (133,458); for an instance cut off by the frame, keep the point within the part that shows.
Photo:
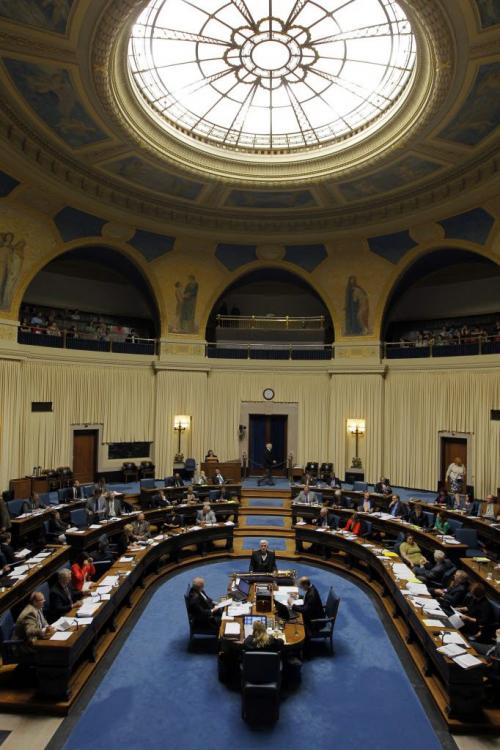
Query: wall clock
(268,394)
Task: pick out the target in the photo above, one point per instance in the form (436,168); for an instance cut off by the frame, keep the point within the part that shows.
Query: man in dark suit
(62,597)
(172,520)
(6,548)
(312,608)
(269,462)
(326,519)
(32,504)
(75,492)
(201,606)
(397,508)
(178,481)
(383,487)
(218,478)
(263,559)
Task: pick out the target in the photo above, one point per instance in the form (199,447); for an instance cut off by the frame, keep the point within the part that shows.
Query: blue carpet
(263,520)
(265,502)
(252,542)
(157,695)
(280,483)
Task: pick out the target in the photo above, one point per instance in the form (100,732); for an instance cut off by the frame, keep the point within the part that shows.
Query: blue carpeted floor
(275,543)
(280,483)
(157,695)
(263,520)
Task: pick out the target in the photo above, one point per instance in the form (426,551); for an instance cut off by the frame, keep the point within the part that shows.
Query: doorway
(453,447)
(85,444)
(267,428)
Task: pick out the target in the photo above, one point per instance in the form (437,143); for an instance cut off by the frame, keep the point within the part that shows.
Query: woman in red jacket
(353,524)
(81,571)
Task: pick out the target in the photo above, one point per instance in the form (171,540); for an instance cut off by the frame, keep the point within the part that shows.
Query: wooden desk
(35,576)
(355,496)
(463,688)
(485,529)
(393,527)
(55,661)
(201,490)
(486,573)
(31,522)
(230,470)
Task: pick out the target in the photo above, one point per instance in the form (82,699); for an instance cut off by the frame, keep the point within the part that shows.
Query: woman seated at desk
(353,525)
(441,525)
(81,571)
(190,497)
(261,640)
(201,478)
(411,552)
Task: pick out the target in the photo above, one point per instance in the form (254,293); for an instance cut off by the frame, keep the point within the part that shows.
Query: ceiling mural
(52,101)
(51,15)
(50,92)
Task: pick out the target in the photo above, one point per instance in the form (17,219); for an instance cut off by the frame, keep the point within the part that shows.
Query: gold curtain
(10,408)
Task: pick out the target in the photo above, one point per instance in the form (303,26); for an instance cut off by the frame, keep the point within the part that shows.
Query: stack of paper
(224,603)
(110,581)
(126,559)
(466,660)
(237,610)
(88,608)
(63,623)
(402,571)
(229,523)
(454,637)
(22,553)
(61,636)
(232,629)
(419,589)
(451,649)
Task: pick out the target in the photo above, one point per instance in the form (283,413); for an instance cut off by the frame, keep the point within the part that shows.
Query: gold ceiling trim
(431,84)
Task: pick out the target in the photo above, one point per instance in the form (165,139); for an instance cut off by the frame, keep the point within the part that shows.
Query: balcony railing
(68,340)
(271,351)
(469,346)
(271,322)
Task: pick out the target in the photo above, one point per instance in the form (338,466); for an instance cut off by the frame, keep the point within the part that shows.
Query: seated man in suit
(178,481)
(455,593)
(218,478)
(433,574)
(312,607)
(368,504)
(6,547)
(158,500)
(58,526)
(263,559)
(340,500)
(418,518)
(397,508)
(306,496)
(109,506)
(325,519)
(206,515)
(62,596)
(308,479)
(32,504)
(172,520)
(75,492)
(31,626)
(383,487)
(201,607)
(140,528)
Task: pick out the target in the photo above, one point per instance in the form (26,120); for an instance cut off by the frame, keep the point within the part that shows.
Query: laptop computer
(240,594)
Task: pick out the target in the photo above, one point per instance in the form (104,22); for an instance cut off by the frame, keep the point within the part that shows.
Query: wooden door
(451,448)
(85,455)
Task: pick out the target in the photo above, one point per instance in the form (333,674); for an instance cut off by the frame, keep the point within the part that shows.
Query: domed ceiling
(251,118)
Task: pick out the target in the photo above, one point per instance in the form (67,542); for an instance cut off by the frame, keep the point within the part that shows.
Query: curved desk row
(461,688)
(57,662)
(232,489)
(37,573)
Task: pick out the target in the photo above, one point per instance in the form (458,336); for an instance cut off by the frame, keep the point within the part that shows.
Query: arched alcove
(445,286)
(272,293)
(99,281)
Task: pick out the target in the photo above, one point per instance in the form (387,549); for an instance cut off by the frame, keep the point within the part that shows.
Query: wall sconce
(356,427)
(181,423)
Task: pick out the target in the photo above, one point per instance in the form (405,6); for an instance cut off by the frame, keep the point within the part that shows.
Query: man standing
(263,559)
(269,462)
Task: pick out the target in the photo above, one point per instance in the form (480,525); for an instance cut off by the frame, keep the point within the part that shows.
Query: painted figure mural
(356,309)
(11,261)
(185,306)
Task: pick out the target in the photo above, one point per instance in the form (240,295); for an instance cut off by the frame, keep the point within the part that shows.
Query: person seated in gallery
(441,525)
(368,503)
(109,506)
(411,552)
(383,487)
(201,478)
(31,626)
(397,508)
(211,457)
(140,528)
(158,500)
(417,517)
(33,504)
(478,615)
(306,496)
(490,507)
(104,550)
(58,527)
(206,515)
(263,559)
(340,500)
(6,548)
(354,525)
(201,607)
(172,520)
(75,492)
(432,573)
(261,640)
(177,480)
(335,481)
(62,596)
(454,594)
(325,520)
(217,477)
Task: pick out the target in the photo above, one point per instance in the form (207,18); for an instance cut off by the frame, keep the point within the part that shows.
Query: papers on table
(466,660)
(223,604)
(19,571)
(430,623)
(63,623)
(301,522)
(402,571)
(481,559)
(110,581)
(451,649)
(87,609)
(86,585)
(447,539)
(453,637)
(433,608)
(85,620)
(232,629)
(238,610)
(195,528)
(126,559)
(61,636)
(228,523)
(456,620)
(22,553)
(95,526)
(41,555)
(100,590)
(417,589)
